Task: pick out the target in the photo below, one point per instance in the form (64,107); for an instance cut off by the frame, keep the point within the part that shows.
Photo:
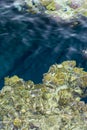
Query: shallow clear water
(30,44)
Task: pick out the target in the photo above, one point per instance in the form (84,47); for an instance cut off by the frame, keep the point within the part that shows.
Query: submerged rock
(65,9)
(53,105)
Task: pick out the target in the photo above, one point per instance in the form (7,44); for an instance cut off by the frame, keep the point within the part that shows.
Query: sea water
(29,44)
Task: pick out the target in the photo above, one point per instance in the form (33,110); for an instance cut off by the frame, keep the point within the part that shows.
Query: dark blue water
(30,44)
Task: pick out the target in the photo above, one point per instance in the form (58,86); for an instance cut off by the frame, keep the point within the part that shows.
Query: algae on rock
(53,105)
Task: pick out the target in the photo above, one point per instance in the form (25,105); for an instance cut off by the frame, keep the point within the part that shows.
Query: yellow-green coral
(64,9)
(53,104)
(66,74)
(64,97)
(45,2)
(12,80)
(17,122)
(51,6)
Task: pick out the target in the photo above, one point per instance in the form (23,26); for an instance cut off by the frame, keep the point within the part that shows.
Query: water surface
(30,44)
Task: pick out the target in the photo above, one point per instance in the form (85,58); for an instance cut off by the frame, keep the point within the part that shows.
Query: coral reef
(53,105)
(65,9)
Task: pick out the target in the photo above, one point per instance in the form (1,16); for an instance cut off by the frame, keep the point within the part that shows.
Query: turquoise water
(30,44)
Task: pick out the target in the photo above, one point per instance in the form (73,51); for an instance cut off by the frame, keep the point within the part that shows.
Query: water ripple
(30,44)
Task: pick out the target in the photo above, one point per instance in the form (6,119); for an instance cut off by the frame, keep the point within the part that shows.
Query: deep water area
(29,44)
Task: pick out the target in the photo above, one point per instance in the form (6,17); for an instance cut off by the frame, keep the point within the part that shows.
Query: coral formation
(53,105)
(65,9)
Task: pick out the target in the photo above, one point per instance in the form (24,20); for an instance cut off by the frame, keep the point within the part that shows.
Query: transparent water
(30,44)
